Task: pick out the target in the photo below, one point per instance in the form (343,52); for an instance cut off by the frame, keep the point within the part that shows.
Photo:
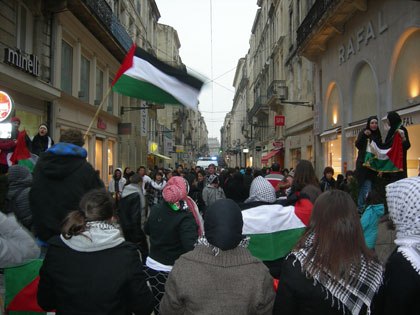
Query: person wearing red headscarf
(174,226)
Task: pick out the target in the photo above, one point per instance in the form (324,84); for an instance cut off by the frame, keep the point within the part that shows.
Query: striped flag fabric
(274,229)
(385,160)
(145,77)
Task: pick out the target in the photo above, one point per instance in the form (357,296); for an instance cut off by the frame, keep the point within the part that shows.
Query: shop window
(98,156)
(99,86)
(66,67)
(296,157)
(110,159)
(110,108)
(24,27)
(309,153)
(30,122)
(84,79)
(333,155)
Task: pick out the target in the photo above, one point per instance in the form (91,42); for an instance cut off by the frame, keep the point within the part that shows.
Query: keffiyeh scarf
(360,288)
(215,250)
(403,199)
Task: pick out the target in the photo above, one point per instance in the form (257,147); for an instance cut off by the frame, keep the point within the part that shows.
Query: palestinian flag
(385,160)
(21,288)
(21,154)
(274,229)
(145,77)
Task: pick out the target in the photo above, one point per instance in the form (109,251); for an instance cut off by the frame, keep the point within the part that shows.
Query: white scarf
(403,199)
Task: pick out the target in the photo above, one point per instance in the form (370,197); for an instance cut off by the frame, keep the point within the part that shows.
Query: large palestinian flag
(274,229)
(385,160)
(145,77)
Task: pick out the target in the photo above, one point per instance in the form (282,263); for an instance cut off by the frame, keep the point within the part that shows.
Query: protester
(330,270)
(195,192)
(17,245)
(60,178)
(369,220)
(400,291)
(212,191)
(327,182)
(273,228)
(210,279)
(275,177)
(89,268)
(173,230)
(41,141)
(132,214)
(236,189)
(364,175)
(304,175)
(127,174)
(20,181)
(116,184)
(155,188)
(394,124)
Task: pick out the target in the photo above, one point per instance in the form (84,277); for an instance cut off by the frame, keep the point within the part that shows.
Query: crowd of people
(233,241)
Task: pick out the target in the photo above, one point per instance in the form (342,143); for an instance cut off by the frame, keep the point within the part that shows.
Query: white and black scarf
(403,198)
(215,250)
(360,288)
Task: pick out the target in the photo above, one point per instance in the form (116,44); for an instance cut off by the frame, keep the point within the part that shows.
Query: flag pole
(97,111)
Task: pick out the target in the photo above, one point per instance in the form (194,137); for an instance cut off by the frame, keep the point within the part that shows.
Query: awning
(265,159)
(329,135)
(160,156)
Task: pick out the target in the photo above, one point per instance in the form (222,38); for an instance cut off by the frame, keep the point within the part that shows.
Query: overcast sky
(231,29)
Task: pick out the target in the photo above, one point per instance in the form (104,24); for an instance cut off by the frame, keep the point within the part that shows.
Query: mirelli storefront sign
(28,64)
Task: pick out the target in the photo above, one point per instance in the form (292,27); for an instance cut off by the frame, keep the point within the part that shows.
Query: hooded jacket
(20,181)
(363,172)
(60,178)
(111,280)
(369,221)
(210,279)
(132,216)
(121,182)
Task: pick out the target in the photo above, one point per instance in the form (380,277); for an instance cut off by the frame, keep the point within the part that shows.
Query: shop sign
(28,64)
(179,148)
(278,144)
(258,148)
(329,135)
(153,147)
(279,120)
(6,105)
(124,128)
(143,122)
(354,131)
(362,36)
(101,124)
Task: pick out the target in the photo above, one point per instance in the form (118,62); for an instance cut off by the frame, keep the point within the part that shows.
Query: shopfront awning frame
(163,157)
(265,158)
(329,135)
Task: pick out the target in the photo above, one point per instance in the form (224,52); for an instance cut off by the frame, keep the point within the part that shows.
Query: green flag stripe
(271,246)
(379,165)
(143,90)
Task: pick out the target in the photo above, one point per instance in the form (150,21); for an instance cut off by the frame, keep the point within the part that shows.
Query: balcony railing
(259,104)
(312,18)
(104,14)
(277,89)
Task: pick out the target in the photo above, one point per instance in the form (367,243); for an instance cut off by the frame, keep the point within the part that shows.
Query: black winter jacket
(172,233)
(109,281)
(59,182)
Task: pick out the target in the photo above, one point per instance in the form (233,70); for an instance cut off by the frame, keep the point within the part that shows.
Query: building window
(138,7)
(23,28)
(110,108)
(84,79)
(66,67)
(99,86)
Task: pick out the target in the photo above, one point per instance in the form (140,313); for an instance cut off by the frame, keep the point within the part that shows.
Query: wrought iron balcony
(316,12)
(260,104)
(277,90)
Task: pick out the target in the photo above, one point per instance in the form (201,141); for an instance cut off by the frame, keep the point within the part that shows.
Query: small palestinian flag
(21,154)
(385,160)
(145,77)
(274,229)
